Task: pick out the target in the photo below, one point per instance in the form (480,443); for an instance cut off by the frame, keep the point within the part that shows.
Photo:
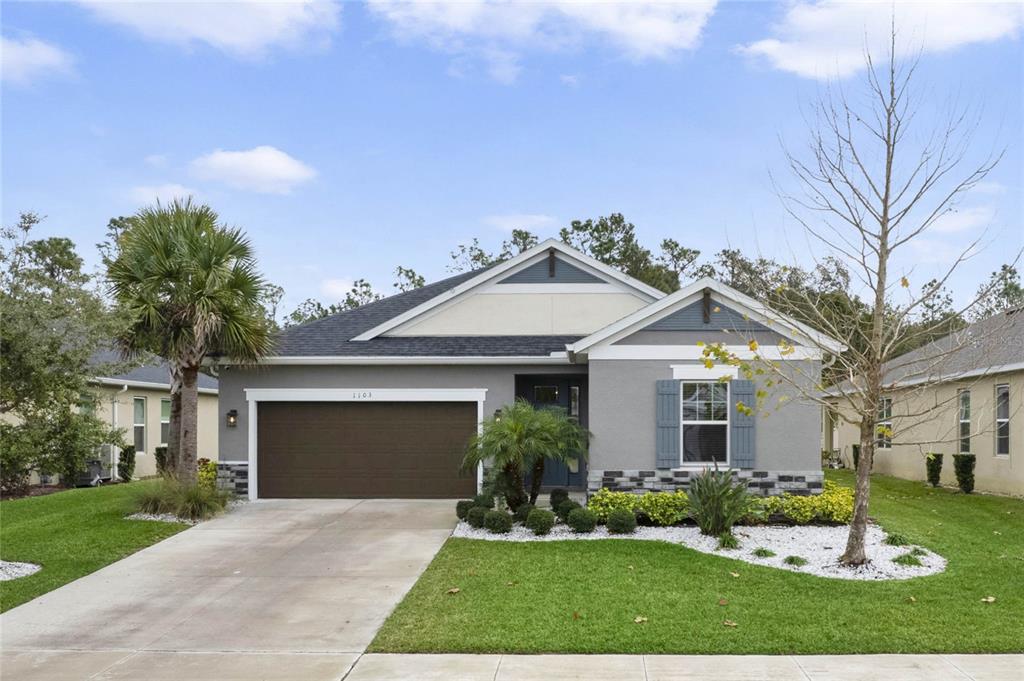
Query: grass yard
(71,534)
(584,597)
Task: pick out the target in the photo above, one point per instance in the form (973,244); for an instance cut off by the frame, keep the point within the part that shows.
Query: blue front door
(561,393)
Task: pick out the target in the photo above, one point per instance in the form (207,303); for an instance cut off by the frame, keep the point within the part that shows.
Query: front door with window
(565,393)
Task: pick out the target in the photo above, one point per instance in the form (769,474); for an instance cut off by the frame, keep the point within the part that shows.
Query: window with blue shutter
(667,424)
(741,436)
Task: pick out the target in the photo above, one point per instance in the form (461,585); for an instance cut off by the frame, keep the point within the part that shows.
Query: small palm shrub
(557,496)
(727,540)
(540,521)
(795,561)
(581,520)
(963,467)
(621,521)
(565,508)
(933,467)
(604,501)
(664,508)
(475,517)
(498,522)
(462,508)
(126,463)
(484,500)
(522,512)
(717,502)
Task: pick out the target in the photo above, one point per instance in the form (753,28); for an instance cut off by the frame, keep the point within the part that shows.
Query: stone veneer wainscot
(761,483)
(233,477)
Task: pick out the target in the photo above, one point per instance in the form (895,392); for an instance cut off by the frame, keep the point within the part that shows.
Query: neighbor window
(705,421)
(1002,420)
(883,427)
(965,421)
(139,423)
(574,401)
(165,421)
(545,394)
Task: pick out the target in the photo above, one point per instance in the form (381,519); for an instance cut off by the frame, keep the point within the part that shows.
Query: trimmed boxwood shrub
(462,508)
(126,463)
(497,522)
(483,501)
(565,508)
(557,496)
(933,464)
(540,521)
(522,512)
(160,456)
(475,517)
(621,521)
(963,466)
(581,520)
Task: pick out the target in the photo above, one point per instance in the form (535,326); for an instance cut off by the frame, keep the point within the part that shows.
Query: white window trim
(961,421)
(995,448)
(135,424)
(884,422)
(256,395)
(162,422)
(700,373)
(700,465)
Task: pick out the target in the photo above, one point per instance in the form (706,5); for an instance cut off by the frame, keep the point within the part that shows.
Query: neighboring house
(139,402)
(960,394)
(381,400)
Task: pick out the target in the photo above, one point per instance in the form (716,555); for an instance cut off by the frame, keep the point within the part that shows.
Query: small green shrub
(963,467)
(664,508)
(918,551)
(160,456)
(833,505)
(795,561)
(557,496)
(540,521)
(522,512)
(727,540)
(604,501)
(498,522)
(462,508)
(155,497)
(933,467)
(717,501)
(475,517)
(908,560)
(621,521)
(190,502)
(565,508)
(581,520)
(895,539)
(126,463)
(206,472)
(762,552)
(484,500)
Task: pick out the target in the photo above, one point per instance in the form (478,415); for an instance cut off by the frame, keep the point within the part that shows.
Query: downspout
(114,401)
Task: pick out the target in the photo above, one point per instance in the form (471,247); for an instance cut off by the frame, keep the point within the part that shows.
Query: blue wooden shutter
(666,432)
(742,425)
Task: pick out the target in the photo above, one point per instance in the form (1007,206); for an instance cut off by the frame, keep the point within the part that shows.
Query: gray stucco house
(380,401)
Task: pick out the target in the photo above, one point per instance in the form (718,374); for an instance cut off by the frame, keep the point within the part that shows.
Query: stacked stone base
(761,483)
(233,477)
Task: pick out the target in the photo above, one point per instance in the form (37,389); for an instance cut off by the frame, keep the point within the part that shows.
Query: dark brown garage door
(364,449)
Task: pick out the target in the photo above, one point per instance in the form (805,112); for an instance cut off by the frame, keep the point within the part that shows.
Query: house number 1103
(362,395)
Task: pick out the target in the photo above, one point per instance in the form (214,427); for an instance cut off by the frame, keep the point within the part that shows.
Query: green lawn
(583,597)
(71,534)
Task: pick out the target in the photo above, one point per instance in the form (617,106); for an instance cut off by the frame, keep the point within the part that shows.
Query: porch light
(232,418)
(497,414)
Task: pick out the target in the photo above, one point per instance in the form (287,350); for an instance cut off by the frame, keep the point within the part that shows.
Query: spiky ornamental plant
(189,287)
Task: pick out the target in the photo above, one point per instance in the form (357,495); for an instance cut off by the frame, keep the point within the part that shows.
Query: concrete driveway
(277,589)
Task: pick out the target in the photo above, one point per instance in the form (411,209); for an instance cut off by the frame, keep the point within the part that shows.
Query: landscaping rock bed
(821,546)
(13,570)
(162,518)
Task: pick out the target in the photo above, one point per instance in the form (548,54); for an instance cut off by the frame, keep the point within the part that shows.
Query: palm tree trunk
(536,476)
(514,494)
(854,554)
(174,436)
(189,442)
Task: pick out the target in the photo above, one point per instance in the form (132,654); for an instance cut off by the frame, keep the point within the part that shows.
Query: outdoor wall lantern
(497,414)
(232,418)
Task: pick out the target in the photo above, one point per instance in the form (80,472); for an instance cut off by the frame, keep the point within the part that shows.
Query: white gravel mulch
(161,517)
(821,546)
(10,569)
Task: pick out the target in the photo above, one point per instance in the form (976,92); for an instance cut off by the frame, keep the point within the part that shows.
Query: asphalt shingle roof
(156,370)
(331,336)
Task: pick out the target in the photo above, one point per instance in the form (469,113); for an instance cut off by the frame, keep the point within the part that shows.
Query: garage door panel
(376,449)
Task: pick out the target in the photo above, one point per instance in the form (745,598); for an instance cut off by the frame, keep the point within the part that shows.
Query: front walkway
(277,589)
(688,668)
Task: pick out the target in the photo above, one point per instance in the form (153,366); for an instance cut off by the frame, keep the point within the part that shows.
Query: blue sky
(349,139)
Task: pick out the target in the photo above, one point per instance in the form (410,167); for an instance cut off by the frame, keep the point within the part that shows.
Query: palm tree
(189,289)
(521,437)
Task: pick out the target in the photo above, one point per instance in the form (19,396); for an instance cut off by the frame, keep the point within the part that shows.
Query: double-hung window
(883,427)
(165,421)
(705,422)
(139,423)
(965,422)
(1002,420)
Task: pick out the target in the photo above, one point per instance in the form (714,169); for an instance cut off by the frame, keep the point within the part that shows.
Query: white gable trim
(692,293)
(524,259)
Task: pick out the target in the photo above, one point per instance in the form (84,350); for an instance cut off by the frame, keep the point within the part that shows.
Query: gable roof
(153,373)
(755,310)
(522,261)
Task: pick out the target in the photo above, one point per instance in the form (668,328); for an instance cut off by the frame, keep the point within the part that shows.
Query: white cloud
(989,188)
(23,60)
(827,39)
(264,169)
(964,219)
(335,289)
(164,193)
(519,221)
(244,28)
(498,32)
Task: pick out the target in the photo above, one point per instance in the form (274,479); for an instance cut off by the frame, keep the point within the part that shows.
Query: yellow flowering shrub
(604,501)
(833,505)
(664,508)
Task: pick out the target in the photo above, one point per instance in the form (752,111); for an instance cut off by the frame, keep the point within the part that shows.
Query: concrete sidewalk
(688,667)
